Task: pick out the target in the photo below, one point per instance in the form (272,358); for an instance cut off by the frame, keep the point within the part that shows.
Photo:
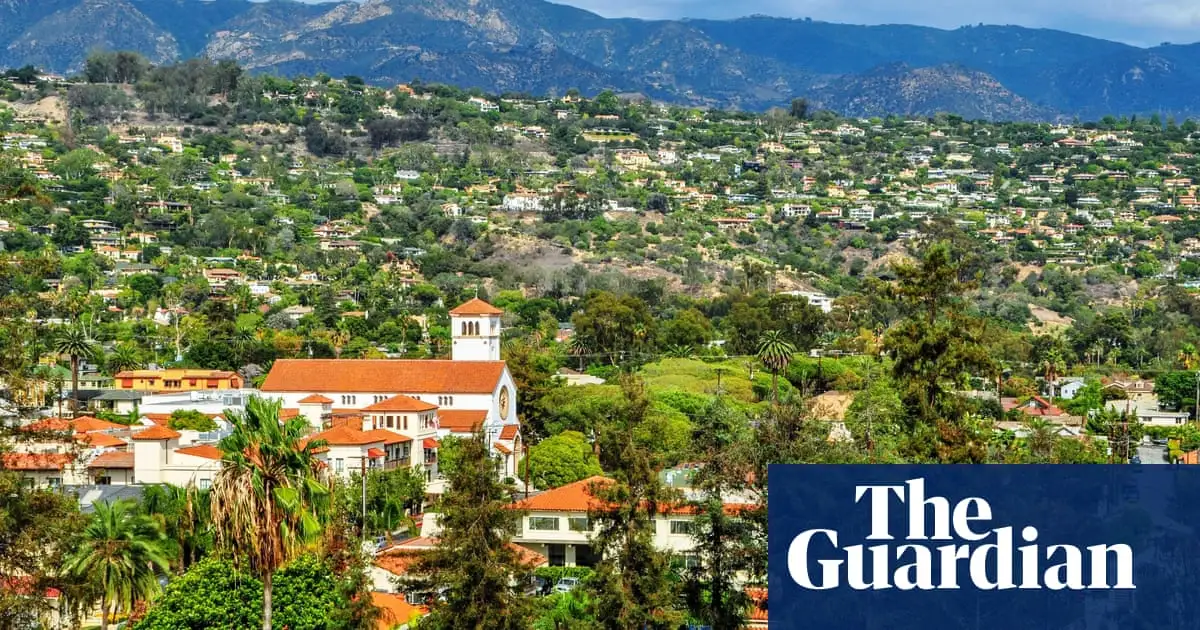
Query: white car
(566,585)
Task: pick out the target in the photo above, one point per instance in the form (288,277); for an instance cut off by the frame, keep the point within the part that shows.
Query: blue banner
(984,547)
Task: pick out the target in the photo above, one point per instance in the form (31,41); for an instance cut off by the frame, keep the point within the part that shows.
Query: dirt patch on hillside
(1047,321)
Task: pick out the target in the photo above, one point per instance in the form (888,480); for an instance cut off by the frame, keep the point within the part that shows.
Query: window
(391,422)
(681,527)
(103,481)
(405,423)
(54,482)
(339,464)
(205,484)
(578,524)
(543,523)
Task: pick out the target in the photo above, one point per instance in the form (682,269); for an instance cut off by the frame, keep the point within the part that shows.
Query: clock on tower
(504,403)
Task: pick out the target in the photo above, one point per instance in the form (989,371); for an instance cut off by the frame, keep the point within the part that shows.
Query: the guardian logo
(975,554)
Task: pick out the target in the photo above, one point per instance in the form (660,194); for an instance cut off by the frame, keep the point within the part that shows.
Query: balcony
(392,464)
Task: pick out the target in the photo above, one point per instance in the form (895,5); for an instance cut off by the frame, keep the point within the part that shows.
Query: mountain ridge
(754,62)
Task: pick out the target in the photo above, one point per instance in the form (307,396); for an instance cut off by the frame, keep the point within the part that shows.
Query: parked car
(537,587)
(566,585)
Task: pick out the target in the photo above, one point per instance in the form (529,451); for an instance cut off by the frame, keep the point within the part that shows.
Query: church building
(472,390)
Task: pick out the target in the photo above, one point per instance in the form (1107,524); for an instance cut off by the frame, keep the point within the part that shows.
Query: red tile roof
(344,436)
(375,452)
(35,461)
(48,425)
(430,443)
(573,497)
(316,399)
(461,421)
(100,440)
(87,424)
(383,375)
(207,451)
(401,403)
(580,497)
(509,432)
(394,610)
(157,432)
(1040,407)
(502,448)
(476,306)
(113,459)
(387,436)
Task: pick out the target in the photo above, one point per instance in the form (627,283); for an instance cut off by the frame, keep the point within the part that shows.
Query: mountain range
(993,72)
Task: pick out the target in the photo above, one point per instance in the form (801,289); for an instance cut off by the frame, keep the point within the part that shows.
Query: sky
(1137,22)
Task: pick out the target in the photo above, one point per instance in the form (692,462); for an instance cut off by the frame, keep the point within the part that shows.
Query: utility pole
(363,464)
(1196,409)
(525,446)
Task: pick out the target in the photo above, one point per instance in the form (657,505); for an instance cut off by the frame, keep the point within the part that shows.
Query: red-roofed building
(436,398)
(555,523)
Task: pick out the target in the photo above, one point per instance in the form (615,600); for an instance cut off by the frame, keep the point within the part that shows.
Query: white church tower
(475,329)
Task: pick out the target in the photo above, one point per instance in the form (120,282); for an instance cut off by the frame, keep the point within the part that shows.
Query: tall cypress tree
(723,539)
(632,586)
(475,560)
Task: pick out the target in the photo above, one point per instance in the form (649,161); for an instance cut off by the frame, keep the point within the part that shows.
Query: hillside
(536,46)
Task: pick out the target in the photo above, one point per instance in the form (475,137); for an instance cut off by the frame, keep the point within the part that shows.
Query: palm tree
(339,340)
(1188,356)
(124,357)
(270,498)
(183,515)
(776,353)
(121,553)
(75,342)
(578,347)
(1052,367)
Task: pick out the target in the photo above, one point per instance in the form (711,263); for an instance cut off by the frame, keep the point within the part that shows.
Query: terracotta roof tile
(207,451)
(48,425)
(476,306)
(573,497)
(113,459)
(313,399)
(394,610)
(401,403)
(341,436)
(386,436)
(509,432)
(35,461)
(87,424)
(100,440)
(375,452)
(499,446)
(157,432)
(430,443)
(383,375)
(461,421)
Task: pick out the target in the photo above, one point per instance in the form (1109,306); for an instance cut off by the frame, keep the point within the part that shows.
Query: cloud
(1139,22)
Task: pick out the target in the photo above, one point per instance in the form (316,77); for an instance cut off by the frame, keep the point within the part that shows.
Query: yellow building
(176,380)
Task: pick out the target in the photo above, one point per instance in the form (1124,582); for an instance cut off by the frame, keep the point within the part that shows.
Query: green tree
(559,460)
(191,420)
(776,353)
(215,594)
(723,538)
(632,585)
(937,345)
(122,553)
(124,357)
(474,559)
(269,500)
(39,530)
(75,342)
(183,515)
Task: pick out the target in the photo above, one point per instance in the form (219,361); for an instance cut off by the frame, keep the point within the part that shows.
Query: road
(1152,454)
